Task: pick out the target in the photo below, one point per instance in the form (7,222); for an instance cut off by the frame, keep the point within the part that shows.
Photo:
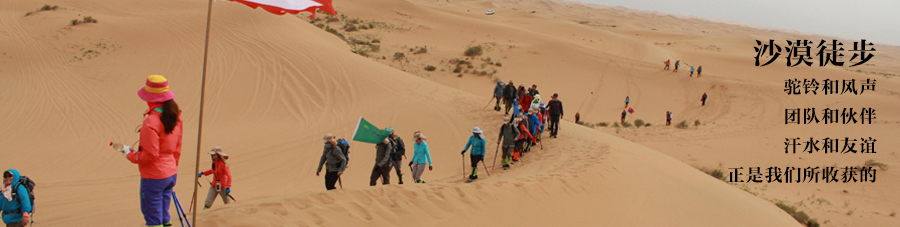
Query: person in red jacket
(221,184)
(159,151)
(524,136)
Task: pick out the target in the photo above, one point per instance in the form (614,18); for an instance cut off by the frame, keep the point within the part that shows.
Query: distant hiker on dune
(382,168)
(577,117)
(509,96)
(398,154)
(667,65)
(668,118)
(498,94)
(334,161)
(702,99)
(477,142)
(699,70)
(627,99)
(420,157)
(692,72)
(159,151)
(508,134)
(555,108)
(221,184)
(624,113)
(677,63)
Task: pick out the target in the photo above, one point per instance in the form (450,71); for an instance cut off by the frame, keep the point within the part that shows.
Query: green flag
(368,133)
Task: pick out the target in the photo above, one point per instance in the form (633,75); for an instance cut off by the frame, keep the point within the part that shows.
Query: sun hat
(422,136)
(477,130)
(328,138)
(218,151)
(156,90)
(505,120)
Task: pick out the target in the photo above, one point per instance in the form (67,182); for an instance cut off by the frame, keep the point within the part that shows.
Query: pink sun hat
(156,90)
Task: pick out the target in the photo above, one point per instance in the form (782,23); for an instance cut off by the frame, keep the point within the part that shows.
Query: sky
(877,21)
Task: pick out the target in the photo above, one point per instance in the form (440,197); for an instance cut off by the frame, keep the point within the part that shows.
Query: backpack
(345,148)
(29,186)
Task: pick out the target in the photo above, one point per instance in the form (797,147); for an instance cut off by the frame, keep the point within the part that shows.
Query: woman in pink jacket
(159,151)
(221,184)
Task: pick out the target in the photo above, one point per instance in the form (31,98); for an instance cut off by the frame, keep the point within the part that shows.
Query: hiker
(221,184)
(498,94)
(667,65)
(533,90)
(703,99)
(536,102)
(699,70)
(677,63)
(420,157)
(668,118)
(477,142)
(334,161)
(623,116)
(535,123)
(16,204)
(508,133)
(542,118)
(692,72)
(509,96)
(159,151)
(627,99)
(382,168)
(398,154)
(524,137)
(577,117)
(555,108)
(524,99)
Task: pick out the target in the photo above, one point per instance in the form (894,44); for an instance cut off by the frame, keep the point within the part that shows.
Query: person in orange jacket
(159,151)
(221,184)
(524,137)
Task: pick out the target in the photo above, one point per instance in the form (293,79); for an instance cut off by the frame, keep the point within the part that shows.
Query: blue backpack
(345,148)
(29,186)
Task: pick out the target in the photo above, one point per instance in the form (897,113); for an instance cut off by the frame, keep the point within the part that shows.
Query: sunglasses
(7,176)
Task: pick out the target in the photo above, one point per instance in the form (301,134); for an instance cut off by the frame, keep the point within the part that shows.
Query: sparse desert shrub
(88,19)
(873,163)
(498,64)
(398,55)
(46,8)
(696,123)
(639,123)
(603,124)
(894,214)
(473,51)
(800,216)
(350,28)
(482,73)
(75,21)
(28,14)
(421,50)
(626,124)
(616,125)
(497,79)
(460,75)
(457,69)
(682,125)
(320,25)
(375,48)
(718,174)
(430,68)
(376,41)
(647,125)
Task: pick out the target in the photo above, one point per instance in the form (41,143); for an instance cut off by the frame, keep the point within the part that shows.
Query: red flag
(630,110)
(281,7)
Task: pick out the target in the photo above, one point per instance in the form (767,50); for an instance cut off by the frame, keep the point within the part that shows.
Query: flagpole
(200,126)
(352,136)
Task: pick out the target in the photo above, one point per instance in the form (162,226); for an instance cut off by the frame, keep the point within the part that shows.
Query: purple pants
(156,196)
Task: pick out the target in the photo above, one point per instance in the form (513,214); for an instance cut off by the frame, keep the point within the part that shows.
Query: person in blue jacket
(498,94)
(535,123)
(420,157)
(16,203)
(477,142)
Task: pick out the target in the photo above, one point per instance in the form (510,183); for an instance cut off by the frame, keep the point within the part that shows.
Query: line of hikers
(678,63)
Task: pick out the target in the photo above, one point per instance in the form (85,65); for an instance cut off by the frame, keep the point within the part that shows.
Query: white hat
(477,130)
(328,138)
(218,151)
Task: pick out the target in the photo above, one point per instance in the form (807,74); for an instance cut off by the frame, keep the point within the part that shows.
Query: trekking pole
(489,102)
(180,211)
(495,157)
(232,197)
(485,168)
(191,208)
(463,157)
(340,183)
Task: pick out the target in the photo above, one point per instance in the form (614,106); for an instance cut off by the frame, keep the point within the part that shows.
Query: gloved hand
(463,152)
(430,168)
(228,191)
(410,163)
(200,175)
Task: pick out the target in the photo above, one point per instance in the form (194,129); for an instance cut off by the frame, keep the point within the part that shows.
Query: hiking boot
(505,167)
(401,179)
(167,224)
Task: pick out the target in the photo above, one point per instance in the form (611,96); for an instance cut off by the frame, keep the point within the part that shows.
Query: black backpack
(29,186)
